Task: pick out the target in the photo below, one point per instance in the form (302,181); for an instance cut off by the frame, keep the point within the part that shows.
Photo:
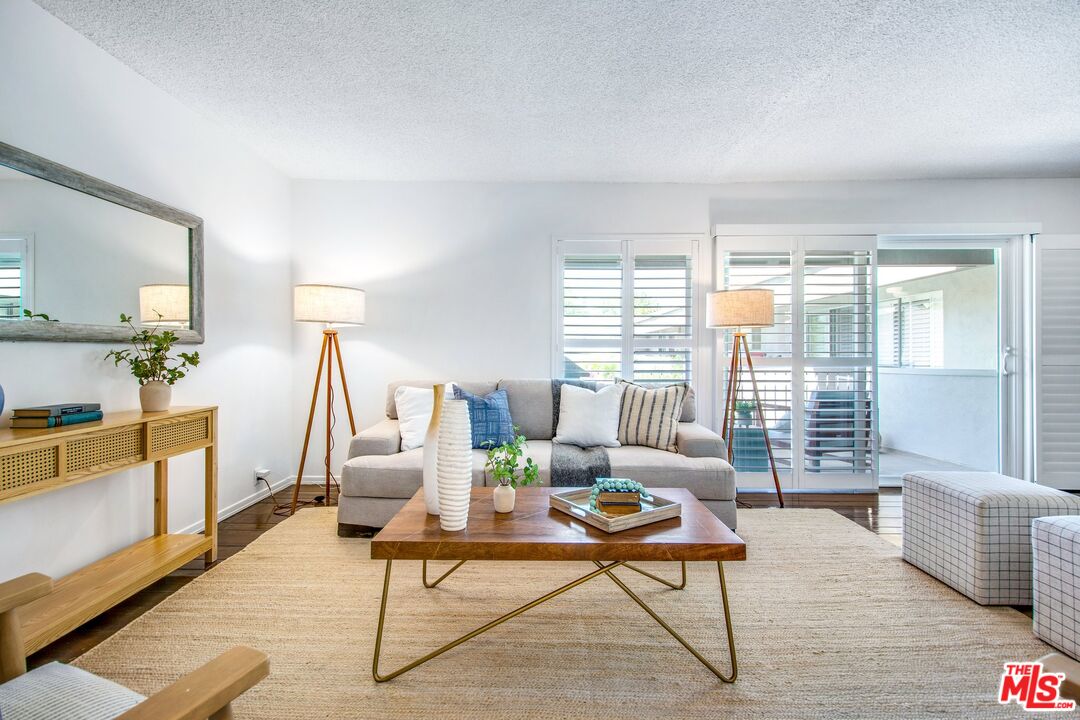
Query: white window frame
(798,363)
(629,245)
(22,242)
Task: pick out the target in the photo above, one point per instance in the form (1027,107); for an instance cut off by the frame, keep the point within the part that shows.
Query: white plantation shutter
(815,365)
(663,318)
(10,286)
(888,333)
(923,331)
(838,302)
(768,271)
(1057,352)
(14,277)
(592,318)
(625,309)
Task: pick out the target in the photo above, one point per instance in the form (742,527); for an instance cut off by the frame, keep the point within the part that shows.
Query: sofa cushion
(415,407)
(589,418)
(489,416)
(650,416)
(709,478)
(56,691)
(394,476)
(530,406)
(480,387)
(689,406)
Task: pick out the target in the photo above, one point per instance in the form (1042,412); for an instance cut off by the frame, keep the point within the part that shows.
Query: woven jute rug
(829,622)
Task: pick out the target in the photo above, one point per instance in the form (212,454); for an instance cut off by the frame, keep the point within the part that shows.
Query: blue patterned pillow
(490,418)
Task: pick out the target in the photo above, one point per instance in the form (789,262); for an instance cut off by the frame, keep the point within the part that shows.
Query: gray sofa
(378,478)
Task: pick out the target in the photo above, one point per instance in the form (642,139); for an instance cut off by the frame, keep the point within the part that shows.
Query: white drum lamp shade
(330,304)
(165,304)
(740,309)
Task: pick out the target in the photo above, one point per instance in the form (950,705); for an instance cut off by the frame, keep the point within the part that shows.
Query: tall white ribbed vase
(431,452)
(453,465)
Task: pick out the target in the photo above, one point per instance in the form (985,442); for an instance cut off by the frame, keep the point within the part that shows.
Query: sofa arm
(381,439)
(696,440)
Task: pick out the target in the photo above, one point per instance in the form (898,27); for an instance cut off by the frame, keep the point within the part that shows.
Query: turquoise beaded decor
(616,485)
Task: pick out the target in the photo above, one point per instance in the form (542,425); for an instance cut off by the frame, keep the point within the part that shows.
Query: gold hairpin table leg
(701,658)
(680,586)
(659,579)
(468,636)
(442,577)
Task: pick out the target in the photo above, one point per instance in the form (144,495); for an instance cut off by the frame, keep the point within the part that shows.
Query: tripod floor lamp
(737,310)
(331,305)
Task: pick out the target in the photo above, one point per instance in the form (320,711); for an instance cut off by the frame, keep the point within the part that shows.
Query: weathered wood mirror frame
(37,166)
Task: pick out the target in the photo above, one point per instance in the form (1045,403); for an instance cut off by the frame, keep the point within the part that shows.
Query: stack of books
(47,416)
(618,503)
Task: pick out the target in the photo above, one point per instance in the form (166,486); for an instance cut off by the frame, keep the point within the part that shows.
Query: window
(911,331)
(625,310)
(15,275)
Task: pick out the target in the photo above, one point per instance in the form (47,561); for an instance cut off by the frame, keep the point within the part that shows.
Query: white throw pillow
(414,406)
(588,418)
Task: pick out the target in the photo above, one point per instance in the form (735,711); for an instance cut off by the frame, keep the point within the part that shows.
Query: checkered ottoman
(972,531)
(1055,545)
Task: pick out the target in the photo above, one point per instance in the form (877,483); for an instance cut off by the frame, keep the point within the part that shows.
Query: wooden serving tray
(576,503)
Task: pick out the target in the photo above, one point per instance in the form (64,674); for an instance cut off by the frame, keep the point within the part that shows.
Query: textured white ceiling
(618,90)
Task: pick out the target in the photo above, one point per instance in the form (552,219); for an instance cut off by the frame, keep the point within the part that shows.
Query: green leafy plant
(503,461)
(150,360)
(31,315)
(744,408)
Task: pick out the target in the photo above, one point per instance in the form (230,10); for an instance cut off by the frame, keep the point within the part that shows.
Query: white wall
(67,100)
(458,276)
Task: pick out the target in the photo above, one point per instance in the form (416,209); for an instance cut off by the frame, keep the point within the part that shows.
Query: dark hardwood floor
(878,513)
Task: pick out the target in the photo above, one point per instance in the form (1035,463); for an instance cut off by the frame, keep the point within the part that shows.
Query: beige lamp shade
(330,304)
(165,304)
(740,309)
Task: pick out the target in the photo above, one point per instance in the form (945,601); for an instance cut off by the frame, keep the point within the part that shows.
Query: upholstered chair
(57,691)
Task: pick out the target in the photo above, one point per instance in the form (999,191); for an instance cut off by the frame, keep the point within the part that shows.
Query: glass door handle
(1006,353)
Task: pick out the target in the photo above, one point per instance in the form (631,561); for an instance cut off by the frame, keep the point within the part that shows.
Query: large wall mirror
(75,252)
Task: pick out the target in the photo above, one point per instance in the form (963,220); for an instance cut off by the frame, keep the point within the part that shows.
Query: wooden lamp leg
(728,394)
(307,433)
(330,338)
(729,420)
(344,385)
(761,419)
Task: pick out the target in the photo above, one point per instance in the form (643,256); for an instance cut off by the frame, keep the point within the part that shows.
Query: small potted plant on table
(503,463)
(152,365)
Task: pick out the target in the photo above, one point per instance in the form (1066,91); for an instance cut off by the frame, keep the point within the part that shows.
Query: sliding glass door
(887,355)
(949,370)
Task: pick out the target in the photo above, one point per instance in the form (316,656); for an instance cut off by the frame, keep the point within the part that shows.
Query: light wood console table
(33,462)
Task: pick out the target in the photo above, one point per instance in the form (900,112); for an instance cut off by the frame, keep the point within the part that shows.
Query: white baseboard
(227,512)
(315,479)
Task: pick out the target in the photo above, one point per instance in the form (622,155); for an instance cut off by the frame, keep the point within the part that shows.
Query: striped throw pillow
(650,416)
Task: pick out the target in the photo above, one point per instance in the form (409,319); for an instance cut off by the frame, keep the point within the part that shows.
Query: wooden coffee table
(535,531)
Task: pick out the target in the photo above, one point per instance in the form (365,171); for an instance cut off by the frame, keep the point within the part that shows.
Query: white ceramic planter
(155,396)
(504,496)
(431,453)
(453,465)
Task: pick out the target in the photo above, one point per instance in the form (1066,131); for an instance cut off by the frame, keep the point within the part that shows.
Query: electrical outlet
(260,475)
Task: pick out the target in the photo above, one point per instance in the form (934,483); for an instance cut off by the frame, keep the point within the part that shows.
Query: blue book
(54,410)
(56,420)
